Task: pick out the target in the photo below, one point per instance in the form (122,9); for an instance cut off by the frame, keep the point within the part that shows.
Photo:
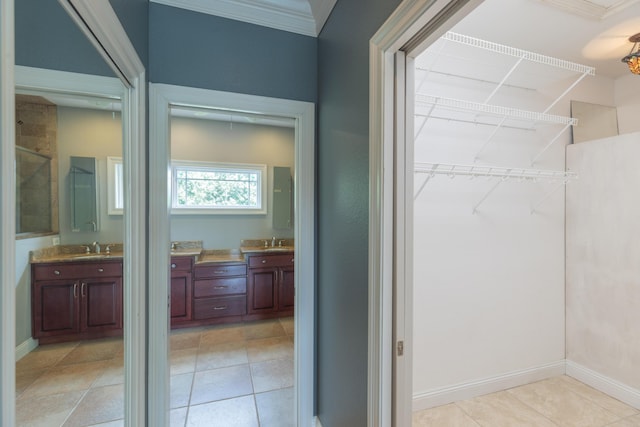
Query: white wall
(489,295)
(88,133)
(627,89)
(603,272)
(206,140)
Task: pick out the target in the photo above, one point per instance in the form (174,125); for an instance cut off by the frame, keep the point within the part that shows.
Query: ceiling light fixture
(633,59)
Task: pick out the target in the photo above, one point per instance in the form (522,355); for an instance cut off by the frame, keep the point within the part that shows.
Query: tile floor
(559,401)
(229,375)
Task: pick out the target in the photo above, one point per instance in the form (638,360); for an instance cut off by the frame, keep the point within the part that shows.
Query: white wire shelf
(495,110)
(501,173)
(476,171)
(518,53)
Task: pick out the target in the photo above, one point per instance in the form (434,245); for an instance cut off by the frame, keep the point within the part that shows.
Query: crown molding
(590,9)
(253,12)
(321,9)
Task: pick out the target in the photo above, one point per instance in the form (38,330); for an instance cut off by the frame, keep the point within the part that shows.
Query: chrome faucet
(273,242)
(96,247)
(87,250)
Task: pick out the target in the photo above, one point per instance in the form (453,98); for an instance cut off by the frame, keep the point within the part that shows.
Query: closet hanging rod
(475,171)
(475,79)
(514,113)
(472,122)
(512,51)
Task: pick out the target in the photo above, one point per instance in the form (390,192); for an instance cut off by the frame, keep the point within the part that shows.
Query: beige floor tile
(633,421)
(94,350)
(238,412)
(46,411)
(221,355)
(113,374)
(272,375)
(263,329)
(607,402)
(117,423)
(44,357)
(180,387)
(561,405)
(183,361)
(446,415)
(222,334)
(269,349)
(223,383)
(288,324)
(99,405)
(66,379)
(275,408)
(181,339)
(178,417)
(503,410)
(25,379)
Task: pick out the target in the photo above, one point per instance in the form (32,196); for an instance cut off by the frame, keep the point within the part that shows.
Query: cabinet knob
(56,272)
(173,265)
(264,261)
(100,270)
(292,259)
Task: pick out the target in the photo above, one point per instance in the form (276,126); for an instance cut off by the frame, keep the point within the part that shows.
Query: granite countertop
(74,253)
(220,256)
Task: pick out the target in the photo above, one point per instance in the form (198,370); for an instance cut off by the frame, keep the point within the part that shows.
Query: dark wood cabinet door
(101,307)
(287,292)
(55,308)
(180,296)
(262,290)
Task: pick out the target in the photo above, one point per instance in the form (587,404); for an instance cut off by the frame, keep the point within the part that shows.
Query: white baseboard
(25,348)
(473,389)
(613,388)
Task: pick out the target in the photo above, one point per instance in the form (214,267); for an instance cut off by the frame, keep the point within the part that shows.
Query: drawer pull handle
(222,307)
(82,290)
(56,272)
(75,290)
(220,287)
(173,265)
(220,271)
(264,261)
(100,270)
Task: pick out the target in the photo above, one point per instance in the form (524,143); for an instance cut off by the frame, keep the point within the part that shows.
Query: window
(218,188)
(115,186)
(203,187)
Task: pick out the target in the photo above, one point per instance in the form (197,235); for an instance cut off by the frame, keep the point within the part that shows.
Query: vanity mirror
(82,192)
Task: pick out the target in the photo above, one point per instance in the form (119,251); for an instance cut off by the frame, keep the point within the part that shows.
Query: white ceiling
(593,33)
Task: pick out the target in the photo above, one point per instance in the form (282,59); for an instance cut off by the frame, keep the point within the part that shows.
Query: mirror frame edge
(7,215)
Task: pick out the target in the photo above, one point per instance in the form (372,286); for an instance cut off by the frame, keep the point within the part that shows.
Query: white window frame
(115,186)
(239,167)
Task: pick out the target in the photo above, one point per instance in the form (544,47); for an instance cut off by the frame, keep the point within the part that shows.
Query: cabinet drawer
(221,270)
(181,263)
(206,308)
(281,260)
(219,287)
(77,270)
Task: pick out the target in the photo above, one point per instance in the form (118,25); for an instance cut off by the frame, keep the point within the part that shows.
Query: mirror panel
(82,192)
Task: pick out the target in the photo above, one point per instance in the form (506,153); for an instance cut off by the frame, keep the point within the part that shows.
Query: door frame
(412,26)
(161,98)
(100,24)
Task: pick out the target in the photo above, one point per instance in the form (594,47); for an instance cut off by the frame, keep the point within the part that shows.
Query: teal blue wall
(209,52)
(134,17)
(46,37)
(343,198)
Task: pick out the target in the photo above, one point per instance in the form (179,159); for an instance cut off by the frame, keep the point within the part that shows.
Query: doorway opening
(164,99)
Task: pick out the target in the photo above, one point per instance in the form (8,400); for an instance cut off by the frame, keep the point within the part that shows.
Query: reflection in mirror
(82,192)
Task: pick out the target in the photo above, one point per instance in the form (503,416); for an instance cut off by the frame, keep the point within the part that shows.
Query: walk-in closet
(526,239)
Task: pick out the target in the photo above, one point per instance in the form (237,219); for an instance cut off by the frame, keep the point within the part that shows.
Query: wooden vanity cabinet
(271,287)
(181,286)
(76,300)
(220,291)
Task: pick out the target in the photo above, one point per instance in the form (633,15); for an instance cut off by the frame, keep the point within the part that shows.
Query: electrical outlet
(55,240)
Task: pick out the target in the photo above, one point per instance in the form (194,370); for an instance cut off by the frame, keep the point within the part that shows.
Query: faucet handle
(87,250)
(108,249)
